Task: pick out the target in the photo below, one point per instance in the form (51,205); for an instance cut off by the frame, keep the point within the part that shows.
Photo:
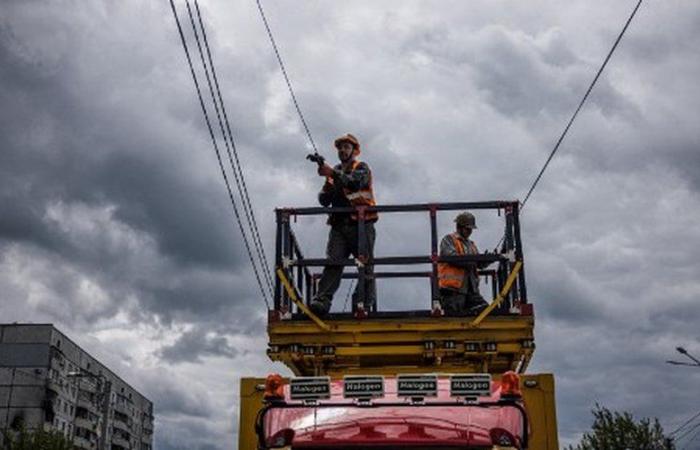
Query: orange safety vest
(449,276)
(363,197)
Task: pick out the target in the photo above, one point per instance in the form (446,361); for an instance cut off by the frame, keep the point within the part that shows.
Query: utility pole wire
(684,424)
(235,168)
(687,432)
(679,363)
(286,77)
(580,105)
(691,440)
(573,117)
(218,154)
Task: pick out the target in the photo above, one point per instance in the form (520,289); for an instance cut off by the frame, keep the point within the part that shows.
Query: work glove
(315,157)
(325,170)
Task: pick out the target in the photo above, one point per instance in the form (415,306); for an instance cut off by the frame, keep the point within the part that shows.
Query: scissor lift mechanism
(420,341)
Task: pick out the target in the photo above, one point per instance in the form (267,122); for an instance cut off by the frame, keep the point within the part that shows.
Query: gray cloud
(194,344)
(114,220)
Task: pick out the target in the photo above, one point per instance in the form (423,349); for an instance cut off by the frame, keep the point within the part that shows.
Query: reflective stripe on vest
(449,276)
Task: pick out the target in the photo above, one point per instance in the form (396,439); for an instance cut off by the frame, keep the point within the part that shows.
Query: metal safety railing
(296,284)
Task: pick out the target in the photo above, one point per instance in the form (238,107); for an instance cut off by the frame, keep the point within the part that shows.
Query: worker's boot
(320,306)
(475,304)
(453,303)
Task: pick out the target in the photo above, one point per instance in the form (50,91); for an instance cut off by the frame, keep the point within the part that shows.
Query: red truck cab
(495,421)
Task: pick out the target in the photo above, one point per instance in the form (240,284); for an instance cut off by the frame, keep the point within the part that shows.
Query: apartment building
(48,381)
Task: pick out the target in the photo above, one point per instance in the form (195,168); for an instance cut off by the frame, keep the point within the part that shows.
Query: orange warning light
(274,387)
(510,385)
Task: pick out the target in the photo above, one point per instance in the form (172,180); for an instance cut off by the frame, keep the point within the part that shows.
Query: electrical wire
(235,167)
(573,117)
(684,424)
(687,432)
(692,438)
(580,105)
(286,77)
(218,155)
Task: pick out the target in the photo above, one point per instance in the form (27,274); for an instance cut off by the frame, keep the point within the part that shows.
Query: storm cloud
(115,223)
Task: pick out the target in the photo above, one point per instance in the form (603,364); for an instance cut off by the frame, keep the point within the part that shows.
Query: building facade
(49,382)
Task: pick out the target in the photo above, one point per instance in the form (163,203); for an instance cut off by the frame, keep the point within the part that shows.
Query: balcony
(54,386)
(87,386)
(120,442)
(81,442)
(90,425)
(119,424)
(121,408)
(88,405)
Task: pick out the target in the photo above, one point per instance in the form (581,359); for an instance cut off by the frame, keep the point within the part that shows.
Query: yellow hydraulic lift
(389,346)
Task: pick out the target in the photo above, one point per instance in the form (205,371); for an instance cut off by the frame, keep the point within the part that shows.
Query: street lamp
(684,352)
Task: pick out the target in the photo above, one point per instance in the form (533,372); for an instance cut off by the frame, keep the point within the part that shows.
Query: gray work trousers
(342,242)
(456,303)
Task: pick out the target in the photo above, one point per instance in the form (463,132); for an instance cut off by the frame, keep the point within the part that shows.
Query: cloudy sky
(115,224)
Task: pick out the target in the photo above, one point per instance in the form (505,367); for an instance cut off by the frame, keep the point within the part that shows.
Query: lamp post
(104,387)
(684,352)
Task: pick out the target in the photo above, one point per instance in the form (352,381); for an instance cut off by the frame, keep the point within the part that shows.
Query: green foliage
(34,440)
(619,431)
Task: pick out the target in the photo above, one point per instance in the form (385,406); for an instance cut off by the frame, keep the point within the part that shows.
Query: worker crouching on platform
(459,281)
(347,184)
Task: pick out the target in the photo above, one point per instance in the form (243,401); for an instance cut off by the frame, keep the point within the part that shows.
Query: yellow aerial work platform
(499,339)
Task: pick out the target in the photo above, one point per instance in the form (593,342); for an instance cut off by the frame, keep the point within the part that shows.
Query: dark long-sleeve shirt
(333,194)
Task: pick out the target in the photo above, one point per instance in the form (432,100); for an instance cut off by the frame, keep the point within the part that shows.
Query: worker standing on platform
(459,281)
(347,184)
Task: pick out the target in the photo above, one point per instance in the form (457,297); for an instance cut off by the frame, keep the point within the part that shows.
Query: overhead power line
(692,438)
(685,424)
(687,432)
(218,155)
(573,117)
(231,150)
(286,77)
(580,105)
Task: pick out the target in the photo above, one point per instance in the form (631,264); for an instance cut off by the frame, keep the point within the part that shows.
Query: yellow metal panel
(541,408)
(380,350)
(370,325)
(250,404)
(389,336)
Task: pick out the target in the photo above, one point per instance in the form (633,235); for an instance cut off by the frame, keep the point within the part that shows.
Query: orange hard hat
(351,139)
